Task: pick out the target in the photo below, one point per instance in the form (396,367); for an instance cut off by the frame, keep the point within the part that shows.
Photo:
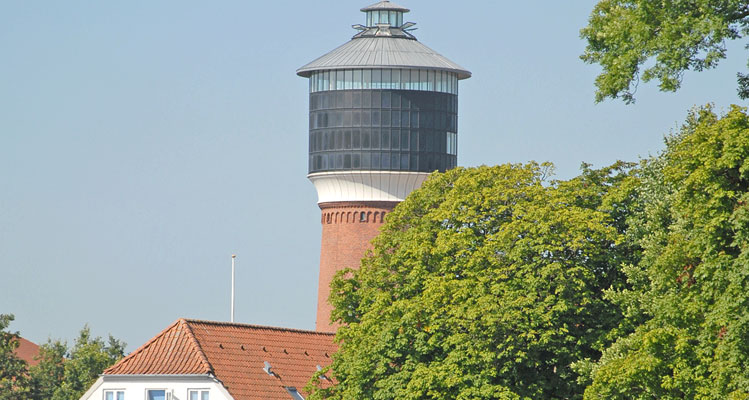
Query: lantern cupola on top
(385,12)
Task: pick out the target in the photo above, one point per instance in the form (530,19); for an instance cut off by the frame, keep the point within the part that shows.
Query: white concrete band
(365,185)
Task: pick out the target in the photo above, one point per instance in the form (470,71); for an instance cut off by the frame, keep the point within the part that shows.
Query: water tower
(383,114)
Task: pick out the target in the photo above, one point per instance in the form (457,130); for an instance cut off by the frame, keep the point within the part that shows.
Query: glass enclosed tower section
(383,114)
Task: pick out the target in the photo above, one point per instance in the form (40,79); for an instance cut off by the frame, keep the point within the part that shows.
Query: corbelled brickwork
(347,230)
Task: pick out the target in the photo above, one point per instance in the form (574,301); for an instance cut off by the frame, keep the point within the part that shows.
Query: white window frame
(114,392)
(199,391)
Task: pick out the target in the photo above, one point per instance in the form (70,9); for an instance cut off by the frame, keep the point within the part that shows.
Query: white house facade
(157,387)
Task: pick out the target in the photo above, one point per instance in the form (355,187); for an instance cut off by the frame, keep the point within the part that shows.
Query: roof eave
(154,376)
(307,72)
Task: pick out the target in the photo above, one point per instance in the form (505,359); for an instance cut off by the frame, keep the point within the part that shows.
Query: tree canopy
(689,298)
(671,36)
(62,373)
(623,283)
(485,283)
(66,373)
(13,377)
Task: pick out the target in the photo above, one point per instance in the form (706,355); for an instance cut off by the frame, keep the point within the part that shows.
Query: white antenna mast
(233,257)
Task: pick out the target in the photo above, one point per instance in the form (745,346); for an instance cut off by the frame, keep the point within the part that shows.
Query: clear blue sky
(142,143)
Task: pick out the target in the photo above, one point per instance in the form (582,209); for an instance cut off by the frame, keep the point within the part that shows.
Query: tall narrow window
(325,80)
(386,79)
(452,143)
(348,79)
(339,79)
(376,79)
(357,79)
(367,79)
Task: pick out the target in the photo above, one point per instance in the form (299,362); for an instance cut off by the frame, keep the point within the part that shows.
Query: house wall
(135,386)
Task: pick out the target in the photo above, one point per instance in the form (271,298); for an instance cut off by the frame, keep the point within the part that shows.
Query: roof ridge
(143,346)
(196,343)
(239,324)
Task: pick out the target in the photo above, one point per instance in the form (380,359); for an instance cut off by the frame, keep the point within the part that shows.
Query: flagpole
(233,257)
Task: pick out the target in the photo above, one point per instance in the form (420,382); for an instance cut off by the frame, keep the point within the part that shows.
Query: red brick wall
(346,236)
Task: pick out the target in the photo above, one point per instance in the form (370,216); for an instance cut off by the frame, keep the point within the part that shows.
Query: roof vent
(294,393)
(267,368)
(322,376)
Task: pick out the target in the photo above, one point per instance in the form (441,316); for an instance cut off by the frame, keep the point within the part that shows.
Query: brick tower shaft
(347,232)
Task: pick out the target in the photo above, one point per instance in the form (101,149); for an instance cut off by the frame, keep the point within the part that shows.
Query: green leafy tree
(84,362)
(485,283)
(688,297)
(671,36)
(49,373)
(13,373)
(62,373)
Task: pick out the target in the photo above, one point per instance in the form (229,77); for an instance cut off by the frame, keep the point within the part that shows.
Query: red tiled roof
(173,351)
(27,351)
(235,355)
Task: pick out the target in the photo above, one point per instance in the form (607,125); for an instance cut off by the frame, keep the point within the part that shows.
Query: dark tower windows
(382,129)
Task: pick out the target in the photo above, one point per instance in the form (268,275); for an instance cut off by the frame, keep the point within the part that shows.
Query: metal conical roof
(385,5)
(383,52)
